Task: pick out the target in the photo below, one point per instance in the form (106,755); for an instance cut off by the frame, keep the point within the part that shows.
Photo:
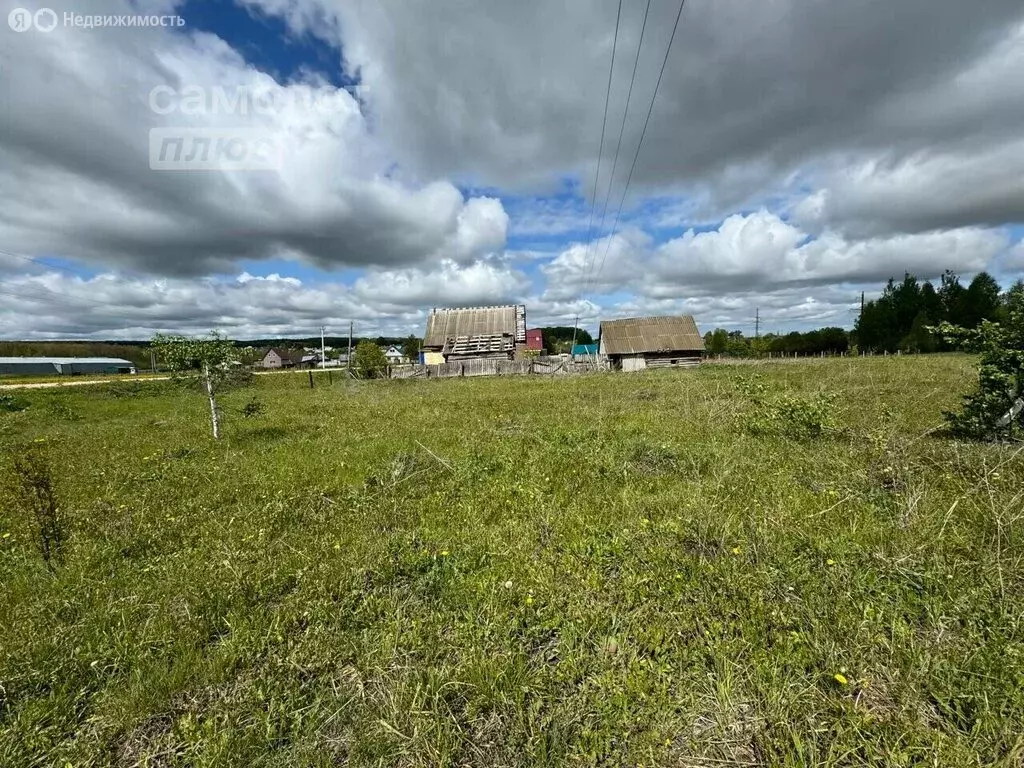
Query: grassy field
(669,568)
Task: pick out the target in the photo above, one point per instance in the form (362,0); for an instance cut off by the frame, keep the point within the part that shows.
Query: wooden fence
(493,367)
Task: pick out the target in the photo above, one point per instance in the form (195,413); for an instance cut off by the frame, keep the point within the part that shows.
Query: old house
(467,333)
(275,357)
(395,355)
(636,343)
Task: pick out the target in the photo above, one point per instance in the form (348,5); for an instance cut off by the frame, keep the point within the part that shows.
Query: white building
(63,366)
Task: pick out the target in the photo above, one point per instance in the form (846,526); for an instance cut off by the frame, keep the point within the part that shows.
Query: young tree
(208,360)
(411,348)
(998,404)
(981,300)
(953,296)
(920,337)
(369,360)
(1011,301)
(716,341)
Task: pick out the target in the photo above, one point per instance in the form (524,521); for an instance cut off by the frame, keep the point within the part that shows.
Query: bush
(788,415)
(369,361)
(12,404)
(994,410)
(33,487)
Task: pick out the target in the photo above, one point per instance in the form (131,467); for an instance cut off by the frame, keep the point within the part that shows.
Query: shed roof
(445,324)
(66,361)
(636,335)
(585,349)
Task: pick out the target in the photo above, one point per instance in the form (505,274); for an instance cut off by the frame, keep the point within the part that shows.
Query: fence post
(310,379)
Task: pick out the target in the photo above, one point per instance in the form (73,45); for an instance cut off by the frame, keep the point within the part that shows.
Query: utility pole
(574,327)
(862,305)
(757,323)
(323,350)
(349,364)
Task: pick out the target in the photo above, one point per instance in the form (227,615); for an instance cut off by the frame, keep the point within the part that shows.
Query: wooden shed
(465,333)
(636,343)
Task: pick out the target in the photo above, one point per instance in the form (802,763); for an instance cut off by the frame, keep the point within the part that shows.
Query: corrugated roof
(445,324)
(66,360)
(636,335)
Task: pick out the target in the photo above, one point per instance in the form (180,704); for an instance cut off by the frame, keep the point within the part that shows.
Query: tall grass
(599,570)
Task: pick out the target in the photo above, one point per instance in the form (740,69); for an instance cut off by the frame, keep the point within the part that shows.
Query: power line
(83,299)
(42,293)
(622,129)
(600,149)
(643,134)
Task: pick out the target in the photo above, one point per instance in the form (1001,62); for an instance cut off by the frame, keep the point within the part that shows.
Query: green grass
(642,569)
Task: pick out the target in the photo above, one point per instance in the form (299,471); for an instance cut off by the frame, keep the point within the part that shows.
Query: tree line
(905,315)
(904,318)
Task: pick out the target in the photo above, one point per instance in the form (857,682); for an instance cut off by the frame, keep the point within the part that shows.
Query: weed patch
(788,415)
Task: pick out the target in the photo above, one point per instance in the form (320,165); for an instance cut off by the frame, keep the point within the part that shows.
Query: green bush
(993,410)
(788,415)
(369,361)
(12,404)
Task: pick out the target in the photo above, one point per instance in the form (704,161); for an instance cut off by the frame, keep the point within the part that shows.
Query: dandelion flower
(840,678)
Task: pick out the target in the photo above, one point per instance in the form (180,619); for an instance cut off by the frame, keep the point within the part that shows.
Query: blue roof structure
(584,349)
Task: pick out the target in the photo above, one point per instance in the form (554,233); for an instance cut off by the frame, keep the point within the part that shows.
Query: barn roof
(445,324)
(636,335)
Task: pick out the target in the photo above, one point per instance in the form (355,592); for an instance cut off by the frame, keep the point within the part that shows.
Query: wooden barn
(636,343)
(467,333)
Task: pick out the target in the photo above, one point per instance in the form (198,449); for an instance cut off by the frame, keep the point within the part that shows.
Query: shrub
(252,409)
(788,415)
(12,404)
(369,361)
(995,409)
(34,489)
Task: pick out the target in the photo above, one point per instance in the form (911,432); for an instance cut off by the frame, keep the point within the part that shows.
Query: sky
(268,167)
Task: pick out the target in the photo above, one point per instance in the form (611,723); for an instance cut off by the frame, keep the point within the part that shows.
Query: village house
(468,333)
(636,343)
(275,357)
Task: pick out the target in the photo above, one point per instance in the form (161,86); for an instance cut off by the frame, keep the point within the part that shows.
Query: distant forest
(898,320)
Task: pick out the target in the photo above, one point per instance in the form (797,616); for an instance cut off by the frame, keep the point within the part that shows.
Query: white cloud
(760,250)
(826,144)
(74,161)
(55,304)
